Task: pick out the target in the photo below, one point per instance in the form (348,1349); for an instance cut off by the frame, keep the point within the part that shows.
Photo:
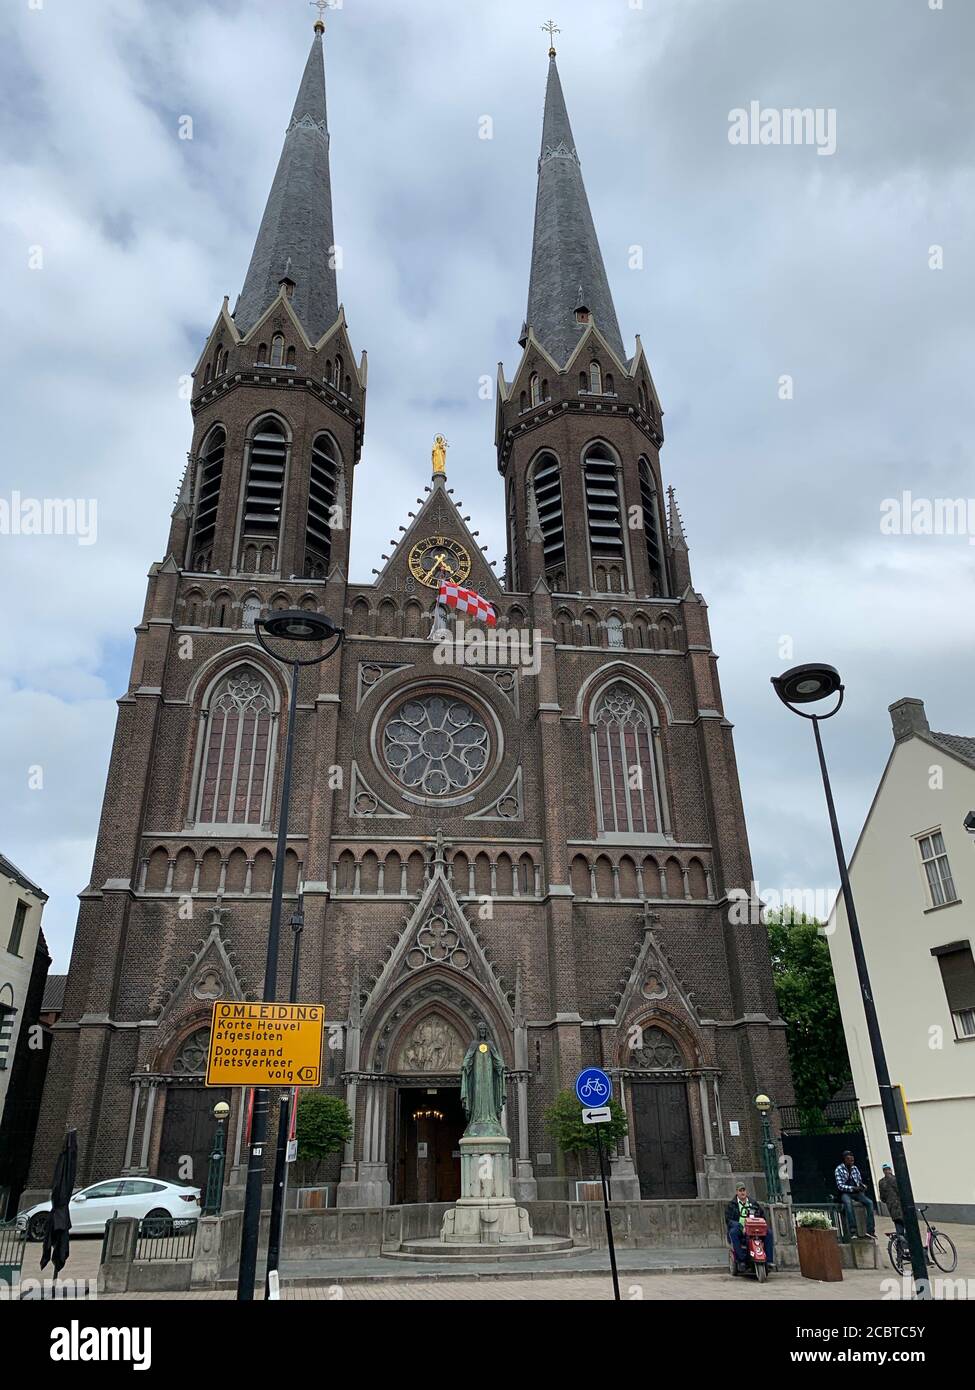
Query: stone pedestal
(623,1180)
(486,1213)
(369,1189)
(524,1185)
(719,1180)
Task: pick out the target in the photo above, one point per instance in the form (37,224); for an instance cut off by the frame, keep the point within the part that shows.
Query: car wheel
(157,1223)
(37,1225)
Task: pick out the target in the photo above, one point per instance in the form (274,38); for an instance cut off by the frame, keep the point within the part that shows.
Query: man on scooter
(734,1214)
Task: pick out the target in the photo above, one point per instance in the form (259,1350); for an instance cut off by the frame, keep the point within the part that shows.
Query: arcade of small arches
(221,608)
(174,868)
(634,878)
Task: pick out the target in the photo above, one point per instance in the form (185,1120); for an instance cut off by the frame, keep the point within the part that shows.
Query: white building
(913,877)
(21,905)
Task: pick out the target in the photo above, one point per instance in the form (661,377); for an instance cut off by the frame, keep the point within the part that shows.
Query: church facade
(533,828)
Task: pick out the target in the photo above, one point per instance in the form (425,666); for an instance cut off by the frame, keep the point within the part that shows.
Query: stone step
(522,1249)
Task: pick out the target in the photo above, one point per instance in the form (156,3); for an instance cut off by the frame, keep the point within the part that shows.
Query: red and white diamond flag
(467,601)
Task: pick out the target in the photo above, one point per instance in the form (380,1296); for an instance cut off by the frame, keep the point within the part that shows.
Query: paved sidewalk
(644,1274)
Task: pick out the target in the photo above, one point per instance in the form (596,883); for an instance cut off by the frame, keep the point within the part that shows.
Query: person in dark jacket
(888,1193)
(734,1217)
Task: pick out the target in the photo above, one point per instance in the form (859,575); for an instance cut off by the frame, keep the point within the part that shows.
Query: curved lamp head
(295,625)
(221,1110)
(763,1104)
(807,685)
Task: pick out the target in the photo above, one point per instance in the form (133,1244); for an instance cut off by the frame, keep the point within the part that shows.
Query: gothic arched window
(546,482)
(265,479)
(208,480)
(191,1059)
(651,529)
(277,350)
(237,746)
(595,378)
(623,762)
(322,492)
(535,389)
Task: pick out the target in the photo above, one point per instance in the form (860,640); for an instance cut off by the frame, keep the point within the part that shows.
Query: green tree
(563,1120)
(323,1127)
(806,994)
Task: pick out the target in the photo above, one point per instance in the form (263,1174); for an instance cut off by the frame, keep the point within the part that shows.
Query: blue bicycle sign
(593,1088)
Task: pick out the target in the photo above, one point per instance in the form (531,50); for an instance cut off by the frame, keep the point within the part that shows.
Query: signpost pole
(606,1213)
(284,1119)
(594,1092)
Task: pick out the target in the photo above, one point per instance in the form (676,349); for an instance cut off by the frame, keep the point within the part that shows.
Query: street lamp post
(284,1112)
(804,685)
(214,1192)
(289,625)
(769,1152)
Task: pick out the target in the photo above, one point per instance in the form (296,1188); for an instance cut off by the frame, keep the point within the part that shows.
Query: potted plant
(819,1251)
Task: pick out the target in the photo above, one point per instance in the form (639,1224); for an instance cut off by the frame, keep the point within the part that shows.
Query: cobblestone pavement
(551,1284)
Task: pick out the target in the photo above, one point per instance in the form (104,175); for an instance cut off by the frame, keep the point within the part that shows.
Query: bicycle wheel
(897,1252)
(943,1251)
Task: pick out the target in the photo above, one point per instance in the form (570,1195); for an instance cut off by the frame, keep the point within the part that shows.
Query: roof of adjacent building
(53,1001)
(567,271)
(958,744)
(10,870)
(296,239)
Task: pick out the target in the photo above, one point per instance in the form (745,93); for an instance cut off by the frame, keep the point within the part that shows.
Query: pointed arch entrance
(411,1118)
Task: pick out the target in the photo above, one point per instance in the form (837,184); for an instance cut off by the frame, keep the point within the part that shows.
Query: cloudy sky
(119,240)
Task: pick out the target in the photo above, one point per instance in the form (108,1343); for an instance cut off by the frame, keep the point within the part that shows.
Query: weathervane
(551,28)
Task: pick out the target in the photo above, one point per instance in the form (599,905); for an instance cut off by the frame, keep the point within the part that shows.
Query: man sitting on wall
(852,1188)
(734,1215)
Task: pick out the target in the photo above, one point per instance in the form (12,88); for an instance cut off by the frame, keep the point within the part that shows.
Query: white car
(162,1207)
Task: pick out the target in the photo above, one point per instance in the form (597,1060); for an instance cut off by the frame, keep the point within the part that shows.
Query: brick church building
(542,838)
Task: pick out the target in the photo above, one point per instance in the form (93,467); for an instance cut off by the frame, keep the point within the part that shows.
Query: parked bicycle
(939,1249)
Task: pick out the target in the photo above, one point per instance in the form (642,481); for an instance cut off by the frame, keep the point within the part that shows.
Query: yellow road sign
(265,1044)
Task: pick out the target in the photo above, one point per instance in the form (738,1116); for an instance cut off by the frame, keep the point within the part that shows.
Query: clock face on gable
(439,558)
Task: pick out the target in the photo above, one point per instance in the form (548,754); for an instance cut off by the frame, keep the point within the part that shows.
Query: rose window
(436,745)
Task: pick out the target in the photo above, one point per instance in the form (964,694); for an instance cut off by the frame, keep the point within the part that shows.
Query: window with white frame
(937,870)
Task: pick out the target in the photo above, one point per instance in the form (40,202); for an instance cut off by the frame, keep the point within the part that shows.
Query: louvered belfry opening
(547,482)
(265,482)
(210,478)
(322,492)
(604,516)
(651,530)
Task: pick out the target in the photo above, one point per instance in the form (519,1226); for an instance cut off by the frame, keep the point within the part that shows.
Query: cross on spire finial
(551,28)
(321,6)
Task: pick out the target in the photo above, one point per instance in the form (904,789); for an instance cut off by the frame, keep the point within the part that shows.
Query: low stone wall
(367,1232)
(676,1225)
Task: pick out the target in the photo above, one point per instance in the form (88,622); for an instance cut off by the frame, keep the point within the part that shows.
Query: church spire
(295,241)
(568,286)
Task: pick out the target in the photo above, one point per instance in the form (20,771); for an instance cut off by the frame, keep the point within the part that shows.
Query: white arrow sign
(602,1116)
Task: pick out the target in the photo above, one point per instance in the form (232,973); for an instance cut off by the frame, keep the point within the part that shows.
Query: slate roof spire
(567,271)
(296,238)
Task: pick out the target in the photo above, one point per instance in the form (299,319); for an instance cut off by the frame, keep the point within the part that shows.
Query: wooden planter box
(819,1255)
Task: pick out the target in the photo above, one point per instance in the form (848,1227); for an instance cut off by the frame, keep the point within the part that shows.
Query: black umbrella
(59,1222)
